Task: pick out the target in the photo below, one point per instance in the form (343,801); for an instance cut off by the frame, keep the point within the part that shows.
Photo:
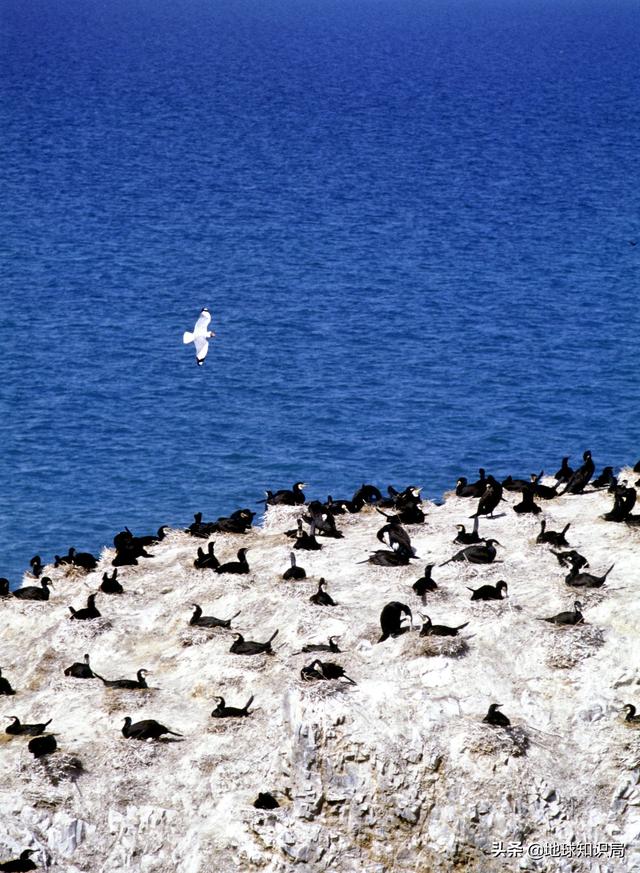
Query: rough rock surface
(397,773)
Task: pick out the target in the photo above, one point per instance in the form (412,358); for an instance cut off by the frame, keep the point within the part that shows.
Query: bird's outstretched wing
(202,347)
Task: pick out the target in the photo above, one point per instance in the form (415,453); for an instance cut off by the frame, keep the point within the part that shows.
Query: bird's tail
(187,337)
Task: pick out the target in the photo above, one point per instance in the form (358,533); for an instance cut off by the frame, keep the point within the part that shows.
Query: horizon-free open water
(414,224)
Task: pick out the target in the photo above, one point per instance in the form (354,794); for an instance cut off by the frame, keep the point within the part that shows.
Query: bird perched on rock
(80,670)
(631,716)
(392,619)
(425,583)
(553,537)
(491,497)
(496,718)
(287,497)
(240,646)
(200,336)
(294,572)
(32,592)
(90,610)
(439,630)
(224,711)
(5,685)
(568,618)
(324,670)
(481,553)
(41,746)
(580,479)
(18,865)
(489,592)
(18,727)
(321,597)
(149,729)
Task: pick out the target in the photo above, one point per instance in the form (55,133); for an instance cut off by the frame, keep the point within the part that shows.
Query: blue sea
(413,221)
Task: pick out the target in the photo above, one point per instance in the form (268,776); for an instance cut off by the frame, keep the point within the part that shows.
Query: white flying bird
(200,336)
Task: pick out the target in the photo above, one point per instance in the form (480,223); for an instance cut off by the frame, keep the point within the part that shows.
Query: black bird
(151,539)
(240,646)
(623,502)
(438,630)
(326,670)
(631,716)
(490,499)
(336,507)
(139,682)
(331,646)
(239,566)
(4,587)
(572,558)
(580,479)
(90,611)
(265,800)
(80,670)
(463,489)
(200,620)
(468,538)
(5,686)
(284,497)
(321,598)
(36,566)
(18,865)
(294,572)
(223,711)
(565,472)
(511,484)
(397,536)
(149,729)
(568,618)
(200,528)
(84,560)
(31,592)
(527,504)
(481,553)
(41,746)
(32,729)
(489,592)
(239,522)
(62,561)
(425,583)
(554,538)
(323,521)
(586,580)
(391,620)
(605,479)
(110,584)
(384,558)
(546,492)
(496,718)
(206,560)
(306,541)
(367,494)
(129,549)
(407,505)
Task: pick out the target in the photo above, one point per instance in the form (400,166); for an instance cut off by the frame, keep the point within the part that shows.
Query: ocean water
(413,223)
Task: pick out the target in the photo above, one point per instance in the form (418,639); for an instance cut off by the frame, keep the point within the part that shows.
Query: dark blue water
(412,223)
